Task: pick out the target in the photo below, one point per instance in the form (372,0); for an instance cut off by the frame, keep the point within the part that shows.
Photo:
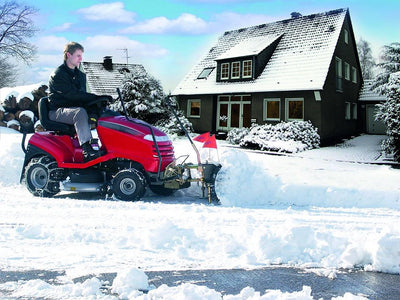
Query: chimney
(295,15)
(107,63)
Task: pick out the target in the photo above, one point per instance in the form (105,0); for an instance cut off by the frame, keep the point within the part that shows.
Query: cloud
(63,27)
(112,12)
(185,23)
(51,43)
(190,24)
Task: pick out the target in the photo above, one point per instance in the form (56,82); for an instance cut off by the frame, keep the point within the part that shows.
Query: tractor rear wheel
(40,177)
(129,185)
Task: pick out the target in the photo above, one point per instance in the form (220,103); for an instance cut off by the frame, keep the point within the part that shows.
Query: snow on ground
(318,210)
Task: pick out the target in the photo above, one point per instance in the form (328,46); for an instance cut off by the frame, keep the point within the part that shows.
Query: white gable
(300,61)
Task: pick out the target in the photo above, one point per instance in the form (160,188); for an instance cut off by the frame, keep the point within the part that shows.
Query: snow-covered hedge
(236,135)
(290,137)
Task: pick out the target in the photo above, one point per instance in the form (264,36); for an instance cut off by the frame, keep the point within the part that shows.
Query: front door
(233,112)
(373,126)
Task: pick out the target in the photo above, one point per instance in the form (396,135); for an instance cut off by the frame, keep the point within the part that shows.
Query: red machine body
(119,138)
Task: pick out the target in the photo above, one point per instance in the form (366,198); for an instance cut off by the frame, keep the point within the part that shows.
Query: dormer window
(247,59)
(247,69)
(224,71)
(235,70)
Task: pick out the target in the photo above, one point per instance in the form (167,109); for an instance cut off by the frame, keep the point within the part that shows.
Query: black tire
(38,179)
(160,190)
(129,185)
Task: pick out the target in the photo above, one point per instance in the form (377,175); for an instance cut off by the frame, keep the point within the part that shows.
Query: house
(302,68)
(368,100)
(103,78)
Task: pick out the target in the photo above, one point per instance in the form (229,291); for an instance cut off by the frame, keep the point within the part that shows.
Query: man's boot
(89,153)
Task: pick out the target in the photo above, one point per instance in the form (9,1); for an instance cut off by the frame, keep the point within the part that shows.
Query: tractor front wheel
(129,185)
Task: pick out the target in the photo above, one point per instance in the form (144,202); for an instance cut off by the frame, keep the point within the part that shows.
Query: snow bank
(307,212)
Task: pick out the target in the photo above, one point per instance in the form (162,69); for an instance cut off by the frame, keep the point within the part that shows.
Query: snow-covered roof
(300,61)
(102,81)
(250,46)
(368,94)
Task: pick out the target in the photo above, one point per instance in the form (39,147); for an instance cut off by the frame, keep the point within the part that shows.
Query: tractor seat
(49,125)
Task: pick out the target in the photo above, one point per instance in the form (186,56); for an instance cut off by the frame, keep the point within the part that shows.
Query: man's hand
(106,98)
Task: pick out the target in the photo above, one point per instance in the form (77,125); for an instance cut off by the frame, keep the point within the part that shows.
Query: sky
(169,36)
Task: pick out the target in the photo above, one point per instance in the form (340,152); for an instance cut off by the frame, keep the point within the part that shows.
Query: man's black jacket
(68,88)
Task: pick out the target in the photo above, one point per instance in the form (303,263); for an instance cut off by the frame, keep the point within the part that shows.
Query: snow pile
(129,282)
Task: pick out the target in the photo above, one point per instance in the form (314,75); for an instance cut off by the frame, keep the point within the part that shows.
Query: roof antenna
(126,54)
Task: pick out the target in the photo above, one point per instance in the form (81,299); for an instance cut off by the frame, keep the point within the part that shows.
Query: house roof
(103,79)
(300,61)
(250,46)
(368,94)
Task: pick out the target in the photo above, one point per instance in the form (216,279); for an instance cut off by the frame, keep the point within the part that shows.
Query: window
(317,95)
(347,111)
(346,36)
(346,71)
(204,74)
(294,109)
(354,74)
(247,69)
(272,109)
(193,108)
(235,70)
(225,71)
(354,112)
(339,74)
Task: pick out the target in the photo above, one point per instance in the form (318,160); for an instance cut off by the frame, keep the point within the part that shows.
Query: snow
(18,92)
(320,210)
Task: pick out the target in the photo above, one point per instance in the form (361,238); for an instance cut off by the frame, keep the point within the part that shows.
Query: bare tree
(366,60)
(16,27)
(8,73)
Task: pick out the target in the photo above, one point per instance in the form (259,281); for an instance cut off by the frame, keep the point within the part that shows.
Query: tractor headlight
(163,138)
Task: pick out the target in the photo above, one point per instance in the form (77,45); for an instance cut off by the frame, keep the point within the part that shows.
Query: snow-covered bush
(144,99)
(236,135)
(388,83)
(288,137)
(389,112)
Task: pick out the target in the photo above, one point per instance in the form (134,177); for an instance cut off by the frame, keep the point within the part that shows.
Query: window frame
(233,69)
(354,77)
(189,108)
(347,72)
(346,36)
(205,73)
(354,111)
(287,100)
(227,71)
(347,110)
(339,74)
(248,62)
(265,114)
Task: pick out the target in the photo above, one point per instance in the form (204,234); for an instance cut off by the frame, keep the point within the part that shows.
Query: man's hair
(71,47)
